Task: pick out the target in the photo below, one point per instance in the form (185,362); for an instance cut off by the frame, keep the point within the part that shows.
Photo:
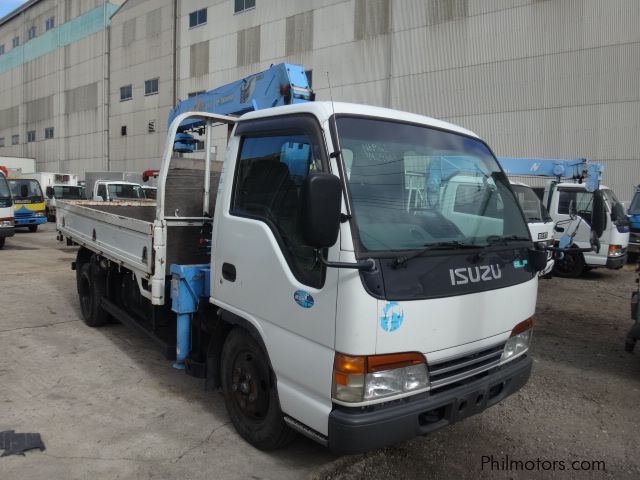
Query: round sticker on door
(392,317)
(304,299)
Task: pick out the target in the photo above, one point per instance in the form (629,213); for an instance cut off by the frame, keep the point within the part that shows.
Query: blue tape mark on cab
(304,299)
(392,317)
(520,263)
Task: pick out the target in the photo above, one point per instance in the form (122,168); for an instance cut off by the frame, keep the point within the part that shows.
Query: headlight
(6,223)
(359,379)
(39,214)
(616,250)
(519,341)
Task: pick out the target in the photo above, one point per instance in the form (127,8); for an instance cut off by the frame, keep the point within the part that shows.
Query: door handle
(229,272)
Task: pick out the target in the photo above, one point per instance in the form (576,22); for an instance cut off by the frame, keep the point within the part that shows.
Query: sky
(7,6)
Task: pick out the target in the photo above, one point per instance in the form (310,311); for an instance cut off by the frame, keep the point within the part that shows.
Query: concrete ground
(109,406)
(106,402)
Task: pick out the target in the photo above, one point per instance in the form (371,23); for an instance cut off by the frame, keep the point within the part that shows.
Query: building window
(309,74)
(242,5)
(1,141)
(151,126)
(50,23)
(123,130)
(48,133)
(198,146)
(193,94)
(126,93)
(31,33)
(151,86)
(198,17)
(2,49)
(15,42)
(15,139)
(31,136)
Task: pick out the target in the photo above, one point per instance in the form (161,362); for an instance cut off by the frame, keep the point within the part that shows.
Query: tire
(2,239)
(33,228)
(571,266)
(250,393)
(90,292)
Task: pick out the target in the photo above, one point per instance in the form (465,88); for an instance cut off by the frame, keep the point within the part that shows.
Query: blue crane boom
(576,169)
(280,84)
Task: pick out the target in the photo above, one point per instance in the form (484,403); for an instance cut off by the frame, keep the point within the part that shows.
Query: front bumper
(617,262)
(354,430)
(7,232)
(26,221)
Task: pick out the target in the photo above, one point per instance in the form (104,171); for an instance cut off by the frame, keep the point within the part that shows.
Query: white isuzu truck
(300,281)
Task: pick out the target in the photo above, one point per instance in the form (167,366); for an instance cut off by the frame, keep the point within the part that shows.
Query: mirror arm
(368,265)
(569,249)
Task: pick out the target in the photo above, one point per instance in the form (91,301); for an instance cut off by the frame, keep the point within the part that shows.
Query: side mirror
(537,259)
(49,192)
(599,220)
(321,197)
(24,191)
(572,210)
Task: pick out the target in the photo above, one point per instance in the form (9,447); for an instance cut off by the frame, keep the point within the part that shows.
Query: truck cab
(109,190)
(588,216)
(29,204)
(7,226)
(55,193)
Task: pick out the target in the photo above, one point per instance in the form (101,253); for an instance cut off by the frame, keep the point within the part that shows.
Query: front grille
(23,214)
(454,370)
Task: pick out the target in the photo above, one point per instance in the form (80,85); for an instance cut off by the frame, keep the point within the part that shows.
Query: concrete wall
(533,77)
(56,80)
(142,46)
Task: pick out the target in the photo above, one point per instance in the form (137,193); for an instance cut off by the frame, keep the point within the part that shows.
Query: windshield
(413,186)
(617,210)
(533,209)
(68,192)
(23,189)
(634,208)
(5,193)
(123,190)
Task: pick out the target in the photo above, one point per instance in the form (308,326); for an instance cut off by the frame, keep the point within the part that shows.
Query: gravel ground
(581,403)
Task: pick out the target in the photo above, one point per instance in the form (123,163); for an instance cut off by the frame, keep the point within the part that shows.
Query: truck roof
(579,185)
(323,110)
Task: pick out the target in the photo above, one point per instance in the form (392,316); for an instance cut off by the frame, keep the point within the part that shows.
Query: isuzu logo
(485,273)
(543,235)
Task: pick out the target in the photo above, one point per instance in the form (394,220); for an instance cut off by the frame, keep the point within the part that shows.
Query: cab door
(262,271)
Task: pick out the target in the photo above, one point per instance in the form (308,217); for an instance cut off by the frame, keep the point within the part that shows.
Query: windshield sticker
(304,299)
(520,263)
(392,317)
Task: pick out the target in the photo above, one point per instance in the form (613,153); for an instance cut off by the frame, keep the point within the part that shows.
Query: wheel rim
(568,264)
(250,386)
(85,296)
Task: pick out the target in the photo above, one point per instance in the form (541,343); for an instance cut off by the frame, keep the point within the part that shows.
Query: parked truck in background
(108,186)
(7,226)
(65,184)
(16,166)
(634,223)
(585,212)
(28,202)
(303,282)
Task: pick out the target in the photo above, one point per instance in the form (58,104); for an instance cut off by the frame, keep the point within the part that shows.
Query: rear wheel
(90,291)
(250,393)
(571,266)
(33,228)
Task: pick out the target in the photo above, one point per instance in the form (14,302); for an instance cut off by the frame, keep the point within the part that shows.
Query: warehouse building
(548,78)
(53,78)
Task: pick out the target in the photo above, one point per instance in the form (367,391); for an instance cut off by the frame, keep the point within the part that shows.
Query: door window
(269,176)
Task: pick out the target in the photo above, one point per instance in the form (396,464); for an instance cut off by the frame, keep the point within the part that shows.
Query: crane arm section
(578,169)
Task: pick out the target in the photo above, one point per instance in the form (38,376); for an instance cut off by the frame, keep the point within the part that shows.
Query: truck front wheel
(90,291)
(1,242)
(33,228)
(571,266)
(250,393)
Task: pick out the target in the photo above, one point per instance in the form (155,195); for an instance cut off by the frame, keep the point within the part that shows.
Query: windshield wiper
(493,239)
(454,245)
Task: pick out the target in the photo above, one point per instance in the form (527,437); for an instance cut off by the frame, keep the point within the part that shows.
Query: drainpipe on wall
(105,85)
(175,54)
